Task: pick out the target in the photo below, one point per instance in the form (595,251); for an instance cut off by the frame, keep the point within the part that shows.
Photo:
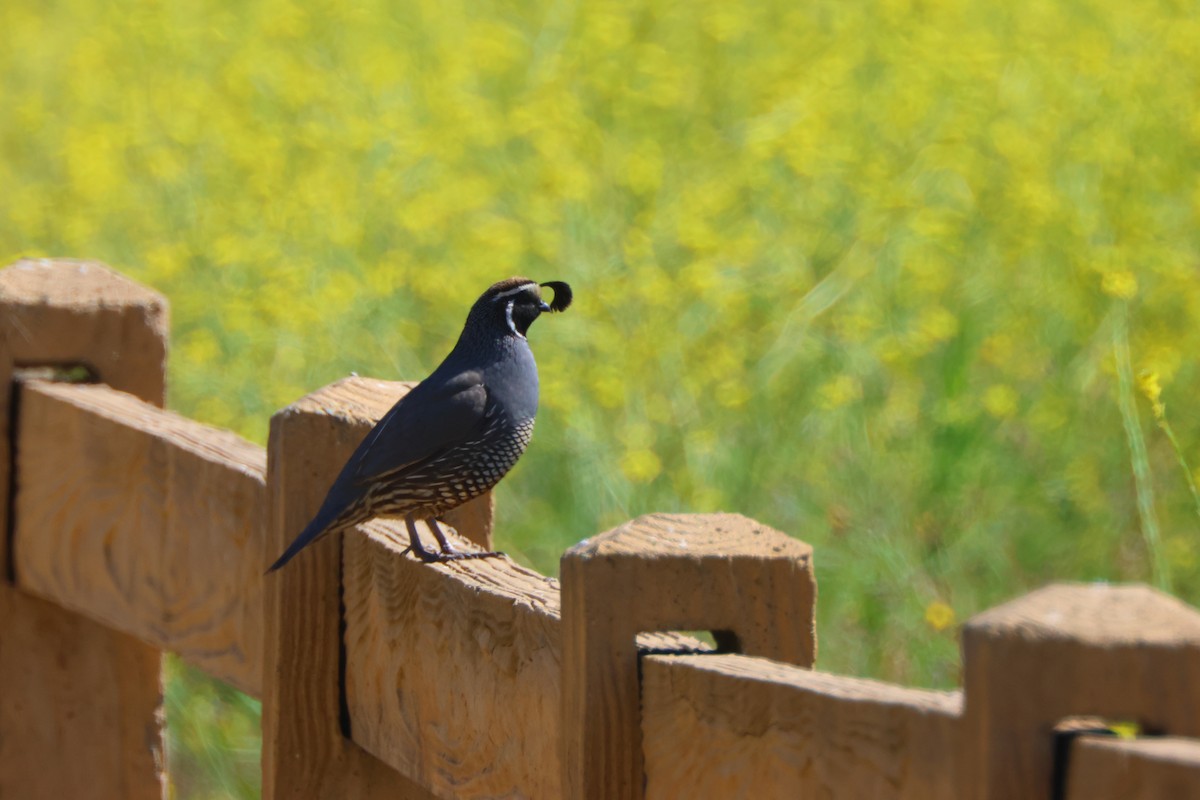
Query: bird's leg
(447,548)
(414,542)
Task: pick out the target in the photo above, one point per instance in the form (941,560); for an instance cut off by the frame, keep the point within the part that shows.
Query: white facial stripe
(508,317)
(524,287)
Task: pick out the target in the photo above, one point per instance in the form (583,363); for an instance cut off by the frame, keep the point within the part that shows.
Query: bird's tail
(325,522)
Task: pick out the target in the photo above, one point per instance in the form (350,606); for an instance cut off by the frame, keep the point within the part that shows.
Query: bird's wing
(423,422)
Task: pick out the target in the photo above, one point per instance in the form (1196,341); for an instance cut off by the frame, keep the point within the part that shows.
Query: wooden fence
(132,531)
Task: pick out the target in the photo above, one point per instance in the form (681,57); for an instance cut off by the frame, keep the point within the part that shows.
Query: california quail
(452,437)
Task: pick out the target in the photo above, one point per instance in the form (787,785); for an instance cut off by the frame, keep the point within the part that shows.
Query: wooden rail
(134,531)
(792,732)
(145,521)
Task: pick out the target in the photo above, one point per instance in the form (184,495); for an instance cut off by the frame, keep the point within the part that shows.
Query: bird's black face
(517,302)
(522,312)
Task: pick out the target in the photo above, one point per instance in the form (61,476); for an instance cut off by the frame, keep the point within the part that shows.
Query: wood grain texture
(731,726)
(305,752)
(453,671)
(1118,652)
(718,572)
(80,705)
(146,521)
(1153,768)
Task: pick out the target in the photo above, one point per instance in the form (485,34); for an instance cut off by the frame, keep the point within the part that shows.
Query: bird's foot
(435,557)
(447,552)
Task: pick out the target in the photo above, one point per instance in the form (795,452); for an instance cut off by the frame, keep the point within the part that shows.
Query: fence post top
(698,536)
(362,400)
(1093,614)
(71,283)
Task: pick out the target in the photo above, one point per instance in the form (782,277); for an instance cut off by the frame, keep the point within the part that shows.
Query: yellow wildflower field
(917,281)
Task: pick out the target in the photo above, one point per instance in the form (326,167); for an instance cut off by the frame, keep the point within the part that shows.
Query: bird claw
(434,557)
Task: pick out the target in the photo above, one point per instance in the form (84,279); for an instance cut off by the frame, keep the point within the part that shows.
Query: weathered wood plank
(1117,652)
(80,705)
(453,672)
(732,726)
(1152,768)
(305,750)
(146,521)
(751,585)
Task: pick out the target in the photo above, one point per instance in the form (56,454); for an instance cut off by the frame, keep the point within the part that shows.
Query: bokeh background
(915,280)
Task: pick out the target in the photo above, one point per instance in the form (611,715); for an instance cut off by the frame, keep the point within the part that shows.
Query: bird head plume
(514,303)
(562,295)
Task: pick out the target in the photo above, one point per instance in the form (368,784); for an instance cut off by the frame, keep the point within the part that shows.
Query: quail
(455,435)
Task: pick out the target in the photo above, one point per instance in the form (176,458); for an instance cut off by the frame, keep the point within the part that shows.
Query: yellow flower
(1121,284)
(1150,387)
(725,22)
(938,324)
(1000,401)
(939,615)
(838,392)
(641,465)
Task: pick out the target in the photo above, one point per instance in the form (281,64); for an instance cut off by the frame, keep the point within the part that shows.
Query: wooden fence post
(306,749)
(79,703)
(1117,652)
(752,586)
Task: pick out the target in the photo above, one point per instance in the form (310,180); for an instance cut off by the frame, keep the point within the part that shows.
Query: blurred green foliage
(861,270)
(213,736)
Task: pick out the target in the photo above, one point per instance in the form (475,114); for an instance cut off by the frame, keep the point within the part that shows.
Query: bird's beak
(544,307)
